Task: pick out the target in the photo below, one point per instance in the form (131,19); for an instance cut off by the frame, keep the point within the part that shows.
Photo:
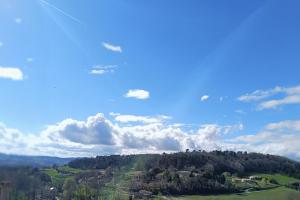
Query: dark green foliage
(26,182)
(217,162)
(294,185)
(192,172)
(102,162)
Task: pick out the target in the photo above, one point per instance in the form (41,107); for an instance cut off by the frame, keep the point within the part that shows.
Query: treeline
(201,172)
(102,162)
(192,172)
(240,163)
(25,182)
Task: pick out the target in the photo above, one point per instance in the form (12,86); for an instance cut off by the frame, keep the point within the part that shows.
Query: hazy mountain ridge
(33,161)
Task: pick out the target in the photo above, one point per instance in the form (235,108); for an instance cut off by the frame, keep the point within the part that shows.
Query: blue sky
(191,65)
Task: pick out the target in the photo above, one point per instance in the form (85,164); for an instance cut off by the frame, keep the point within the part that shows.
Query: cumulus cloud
(291,95)
(14,141)
(99,136)
(282,138)
(102,69)
(204,97)
(112,47)
(12,73)
(138,94)
(95,130)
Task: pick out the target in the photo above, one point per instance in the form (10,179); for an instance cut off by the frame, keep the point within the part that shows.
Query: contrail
(61,11)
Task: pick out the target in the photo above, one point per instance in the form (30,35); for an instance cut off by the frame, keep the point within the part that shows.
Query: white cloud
(18,20)
(97,71)
(95,130)
(114,114)
(112,47)
(239,111)
(143,119)
(29,59)
(285,125)
(260,94)
(293,99)
(204,97)
(1,44)
(97,136)
(138,94)
(291,96)
(102,69)
(282,138)
(14,141)
(12,73)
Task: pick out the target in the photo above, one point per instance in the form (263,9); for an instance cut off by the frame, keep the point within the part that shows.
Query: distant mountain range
(34,161)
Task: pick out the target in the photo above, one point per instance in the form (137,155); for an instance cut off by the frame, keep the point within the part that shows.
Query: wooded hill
(196,172)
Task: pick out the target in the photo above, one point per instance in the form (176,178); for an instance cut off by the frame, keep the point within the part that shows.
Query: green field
(281,179)
(56,177)
(280,193)
(117,188)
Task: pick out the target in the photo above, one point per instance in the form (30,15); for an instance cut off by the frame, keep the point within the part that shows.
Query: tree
(69,188)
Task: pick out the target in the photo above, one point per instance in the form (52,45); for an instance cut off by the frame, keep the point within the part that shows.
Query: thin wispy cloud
(97,71)
(239,111)
(260,94)
(271,104)
(138,94)
(139,119)
(18,20)
(204,98)
(267,98)
(60,11)
(12,73)
(103,69)
(29,59)
(112,47)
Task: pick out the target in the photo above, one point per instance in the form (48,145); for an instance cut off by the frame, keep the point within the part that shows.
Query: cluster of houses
(249,179)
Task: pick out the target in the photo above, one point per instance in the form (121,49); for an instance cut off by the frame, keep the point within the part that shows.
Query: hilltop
(179,175)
